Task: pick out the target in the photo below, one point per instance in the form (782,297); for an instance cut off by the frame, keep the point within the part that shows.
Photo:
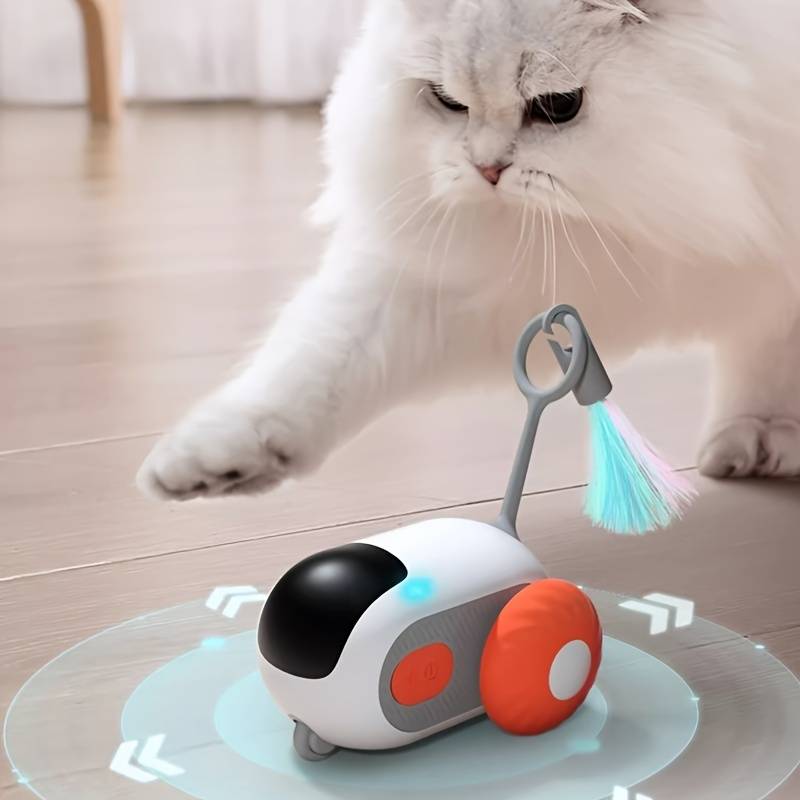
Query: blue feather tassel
(632,489)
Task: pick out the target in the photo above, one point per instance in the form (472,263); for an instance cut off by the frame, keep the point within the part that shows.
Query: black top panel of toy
(314,607)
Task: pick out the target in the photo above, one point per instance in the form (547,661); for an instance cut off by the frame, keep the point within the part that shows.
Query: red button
(422,674)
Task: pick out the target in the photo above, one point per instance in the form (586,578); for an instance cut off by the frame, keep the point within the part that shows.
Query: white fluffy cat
(487,157)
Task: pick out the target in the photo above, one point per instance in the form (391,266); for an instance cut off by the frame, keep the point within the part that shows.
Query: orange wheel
(541,658)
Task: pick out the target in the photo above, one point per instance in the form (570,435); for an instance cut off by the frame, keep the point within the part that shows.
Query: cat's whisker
(371,222)
(377,215)
(570,72)
(633,258)
(576,80)
(546,243)
(446,205)
(405,266)
(440,283)
(442,204)
(525,74)
(447,166)
(412,217)
(530,245)
(401,271)
(436,234)
(374,220)
(603,244)
(554,249)
(575,249)
(515,258)
(400,187)
(450,235)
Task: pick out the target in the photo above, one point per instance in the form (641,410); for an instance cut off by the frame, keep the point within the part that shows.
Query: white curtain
(267,50)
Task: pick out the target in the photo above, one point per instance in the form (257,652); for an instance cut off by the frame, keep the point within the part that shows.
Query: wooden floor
(135,267)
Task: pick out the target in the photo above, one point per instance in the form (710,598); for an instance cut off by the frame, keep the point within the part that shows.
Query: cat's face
(513,92)
(598,107)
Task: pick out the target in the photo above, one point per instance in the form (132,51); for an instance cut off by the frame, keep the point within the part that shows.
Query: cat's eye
(556,108)
(448,102)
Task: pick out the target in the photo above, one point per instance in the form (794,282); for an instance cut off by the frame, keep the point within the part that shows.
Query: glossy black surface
(314,607)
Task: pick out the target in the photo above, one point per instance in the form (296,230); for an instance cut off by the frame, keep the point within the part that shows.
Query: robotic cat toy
(394,638)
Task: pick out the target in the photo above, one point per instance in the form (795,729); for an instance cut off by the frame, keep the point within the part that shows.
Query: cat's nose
(492,172)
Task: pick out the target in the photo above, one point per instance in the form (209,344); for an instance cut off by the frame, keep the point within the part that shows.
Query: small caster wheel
(309,746)
(541,658)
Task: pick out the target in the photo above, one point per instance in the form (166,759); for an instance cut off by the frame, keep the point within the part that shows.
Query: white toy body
(461,561)
(383,642)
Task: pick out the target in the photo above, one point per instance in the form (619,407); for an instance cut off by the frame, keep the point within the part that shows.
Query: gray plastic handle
(584,375)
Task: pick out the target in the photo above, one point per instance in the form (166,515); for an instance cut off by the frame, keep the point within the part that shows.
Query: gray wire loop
(573,363)
(568,318)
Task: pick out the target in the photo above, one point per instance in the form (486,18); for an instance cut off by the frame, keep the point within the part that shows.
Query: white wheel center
(570,670)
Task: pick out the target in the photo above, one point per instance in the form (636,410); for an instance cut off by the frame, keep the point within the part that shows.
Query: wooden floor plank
(152,273)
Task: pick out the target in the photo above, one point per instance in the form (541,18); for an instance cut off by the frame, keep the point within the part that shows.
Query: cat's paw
(781,444)
(219,451)
(749,447)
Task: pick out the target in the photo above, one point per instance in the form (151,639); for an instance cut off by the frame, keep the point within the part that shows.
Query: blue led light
(417,590)
(213,643)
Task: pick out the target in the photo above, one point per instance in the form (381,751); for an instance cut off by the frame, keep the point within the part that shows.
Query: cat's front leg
(755,431)
(351,343)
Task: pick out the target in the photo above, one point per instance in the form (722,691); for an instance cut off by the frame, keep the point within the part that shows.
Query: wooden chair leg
(102,21)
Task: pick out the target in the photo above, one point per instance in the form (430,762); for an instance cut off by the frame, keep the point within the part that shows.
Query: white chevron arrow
(235,605)
(222,593)
(685,608)
(624,794)
(122,764)
(659,616)
(150,759)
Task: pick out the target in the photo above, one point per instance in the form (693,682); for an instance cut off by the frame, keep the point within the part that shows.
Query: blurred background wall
(272,51)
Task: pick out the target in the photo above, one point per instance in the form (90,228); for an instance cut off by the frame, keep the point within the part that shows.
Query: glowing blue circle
(210,718)
(477,754)
(219,717)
